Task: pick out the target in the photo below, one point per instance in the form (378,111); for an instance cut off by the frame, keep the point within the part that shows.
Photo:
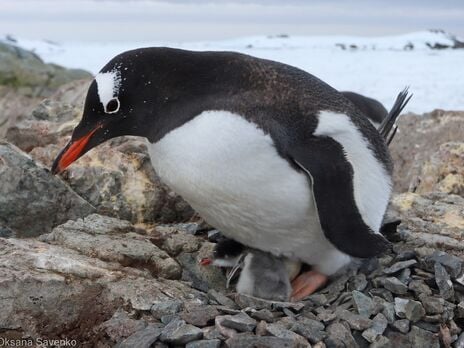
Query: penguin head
(145,92)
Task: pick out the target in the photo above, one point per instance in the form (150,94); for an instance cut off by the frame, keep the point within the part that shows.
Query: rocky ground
(107,255)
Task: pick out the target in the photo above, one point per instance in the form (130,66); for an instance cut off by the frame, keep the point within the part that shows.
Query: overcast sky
(197,20)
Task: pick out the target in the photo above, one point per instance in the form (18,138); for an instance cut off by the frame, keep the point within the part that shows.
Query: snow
(378,67)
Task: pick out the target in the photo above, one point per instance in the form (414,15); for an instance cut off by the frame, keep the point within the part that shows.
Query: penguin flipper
(331,176)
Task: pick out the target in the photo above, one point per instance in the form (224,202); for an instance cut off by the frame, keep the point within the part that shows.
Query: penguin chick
(264,276)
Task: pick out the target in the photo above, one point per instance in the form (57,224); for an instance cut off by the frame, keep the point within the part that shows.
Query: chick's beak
(71,152)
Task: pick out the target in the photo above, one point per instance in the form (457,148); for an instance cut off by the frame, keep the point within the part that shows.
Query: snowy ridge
(379,67)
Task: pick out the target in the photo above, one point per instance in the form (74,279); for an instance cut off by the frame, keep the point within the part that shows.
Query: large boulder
(444,172)
(418,138)
(32,200)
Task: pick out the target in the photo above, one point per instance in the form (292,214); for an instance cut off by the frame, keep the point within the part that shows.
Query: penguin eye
(112,106)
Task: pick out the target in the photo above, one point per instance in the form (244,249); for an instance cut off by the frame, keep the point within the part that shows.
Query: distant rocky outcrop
(24,71)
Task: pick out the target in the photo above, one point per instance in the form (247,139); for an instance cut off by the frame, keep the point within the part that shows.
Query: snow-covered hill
(429,62)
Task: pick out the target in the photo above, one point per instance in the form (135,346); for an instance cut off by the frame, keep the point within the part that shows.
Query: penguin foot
(307,283)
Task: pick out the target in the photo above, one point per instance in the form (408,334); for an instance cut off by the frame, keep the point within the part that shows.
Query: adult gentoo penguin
(268,154)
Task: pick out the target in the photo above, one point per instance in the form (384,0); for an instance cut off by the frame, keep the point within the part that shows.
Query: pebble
(200,316)
(460,310)
(313,330)
(420,338)
(381,342)
(443,280)
(452,263)
(402,325)
(221,299)
(398,266)
(363,304)
(203,344)
(179,332)
(165,307)
(410,309)
(355,321)
(143,338)
(358,282)
(240,322)
(419,287)
(247,340)
(395,286)
(280,331)
(433,305)
(340,336)
(389,311)
(460,341)
(379,324)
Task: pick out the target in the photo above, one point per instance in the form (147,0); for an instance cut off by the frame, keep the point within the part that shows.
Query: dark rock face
(32,201)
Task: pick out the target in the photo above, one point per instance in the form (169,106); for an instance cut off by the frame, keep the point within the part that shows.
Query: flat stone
(433,305)
(358,282)
(363,304)
(200,316)
(222,299)
(161,308)
(453,264)
(246,301)
(356,321)
(141,339)
(419,287)
(263,314)
(280,331)
(212,333)
(179,332)
(410,309)
(340,336)
(398,266)
(405,276)
(420,338)
(389,311)
(395,285)
(444,283)
(402,325)
(383,293)
(460,310)
(309,328)
(240,322)
(204,344)
(379,324)
(381,342)
(247,340)
(121,326)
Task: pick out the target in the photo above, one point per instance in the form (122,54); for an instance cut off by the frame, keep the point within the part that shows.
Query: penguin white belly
(231,174)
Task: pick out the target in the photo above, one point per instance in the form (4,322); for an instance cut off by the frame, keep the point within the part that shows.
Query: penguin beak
(72,151)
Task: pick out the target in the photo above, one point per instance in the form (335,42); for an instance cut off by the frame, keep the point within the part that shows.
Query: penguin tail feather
(388,127)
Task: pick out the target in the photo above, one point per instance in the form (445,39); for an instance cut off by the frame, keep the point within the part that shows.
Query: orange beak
(71,152)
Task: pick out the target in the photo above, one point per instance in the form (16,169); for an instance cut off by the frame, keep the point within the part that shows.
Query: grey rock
(395,285)
(363,304)
(120,326)
(215,343)
(165,307)
(381,342)
(222,299)
(240,322)
(383,293)
(398,266)
(263,314)
(339,336)
(402,325)
(141,339)
(433,305)
(280,331)
(212,333)
(200,316)
(419,287)
(245,301)
(358,282)
(410,309)
(248,340)
(453,264)
(389,311)
(309,328)
(405,276)
(27,187)
(444,282)
(460,341)
(177,239)
(460,310)
(356,321)
(179,332)
(111,239)
(379,324)
(420,338)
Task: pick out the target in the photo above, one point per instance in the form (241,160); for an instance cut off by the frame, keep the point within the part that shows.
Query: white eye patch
(108,84)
